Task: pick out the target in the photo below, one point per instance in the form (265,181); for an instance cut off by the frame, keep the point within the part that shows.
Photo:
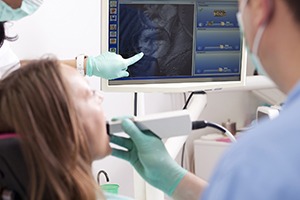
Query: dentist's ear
(267,10)
(261,11)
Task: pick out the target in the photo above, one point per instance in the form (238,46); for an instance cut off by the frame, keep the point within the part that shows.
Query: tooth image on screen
(163,33)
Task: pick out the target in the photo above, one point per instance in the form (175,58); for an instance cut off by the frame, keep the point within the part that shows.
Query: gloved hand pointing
(110,65)
(148,155)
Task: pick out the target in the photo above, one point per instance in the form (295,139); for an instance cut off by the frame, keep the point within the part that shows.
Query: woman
(61,128)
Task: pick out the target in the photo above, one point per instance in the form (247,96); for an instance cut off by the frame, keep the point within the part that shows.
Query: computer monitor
(188,45)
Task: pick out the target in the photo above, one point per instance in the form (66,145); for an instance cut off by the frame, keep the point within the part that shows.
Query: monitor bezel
(165,87)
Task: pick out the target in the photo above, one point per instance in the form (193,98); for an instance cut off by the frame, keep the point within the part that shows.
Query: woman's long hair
(35,103)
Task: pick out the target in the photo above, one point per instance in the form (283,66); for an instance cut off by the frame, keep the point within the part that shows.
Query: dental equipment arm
(167,124)
(163,125)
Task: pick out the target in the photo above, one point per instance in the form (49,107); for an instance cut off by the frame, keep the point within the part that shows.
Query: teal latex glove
(147,153)
(110,65)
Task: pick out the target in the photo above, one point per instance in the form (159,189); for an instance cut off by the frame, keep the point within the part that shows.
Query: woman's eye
(97,94)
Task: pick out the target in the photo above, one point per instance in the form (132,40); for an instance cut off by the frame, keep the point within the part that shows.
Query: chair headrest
(13,171)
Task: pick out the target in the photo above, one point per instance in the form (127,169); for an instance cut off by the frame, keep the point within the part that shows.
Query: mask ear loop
(243,5)
(257,38)
(239,14)
(36,2)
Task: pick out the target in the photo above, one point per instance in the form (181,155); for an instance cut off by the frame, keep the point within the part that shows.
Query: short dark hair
(3,36)
(294,6)
(2,33)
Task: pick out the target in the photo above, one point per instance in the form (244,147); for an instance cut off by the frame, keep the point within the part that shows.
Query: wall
(67,28)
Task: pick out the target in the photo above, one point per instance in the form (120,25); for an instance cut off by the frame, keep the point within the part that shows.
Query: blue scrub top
(265,163)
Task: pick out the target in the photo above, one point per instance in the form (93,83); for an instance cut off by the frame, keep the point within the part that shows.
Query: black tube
(198,125)
(216,126)
(203,124)
(190,97)
(107,128)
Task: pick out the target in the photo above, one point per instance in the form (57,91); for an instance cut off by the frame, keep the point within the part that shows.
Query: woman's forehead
(76,82)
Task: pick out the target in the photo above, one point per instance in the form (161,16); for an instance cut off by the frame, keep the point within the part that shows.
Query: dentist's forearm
(190,187)
(72,63)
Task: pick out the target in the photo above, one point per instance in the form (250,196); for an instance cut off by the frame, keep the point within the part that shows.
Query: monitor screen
(188,45)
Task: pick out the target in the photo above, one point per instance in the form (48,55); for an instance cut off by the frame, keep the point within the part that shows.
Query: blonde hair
(35,104)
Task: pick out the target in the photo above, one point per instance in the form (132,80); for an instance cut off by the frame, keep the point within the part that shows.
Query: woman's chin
(102,153)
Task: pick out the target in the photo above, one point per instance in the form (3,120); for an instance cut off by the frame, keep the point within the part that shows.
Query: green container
(110,188)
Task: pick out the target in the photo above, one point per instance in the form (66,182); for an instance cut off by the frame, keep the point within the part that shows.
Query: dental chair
(13,172)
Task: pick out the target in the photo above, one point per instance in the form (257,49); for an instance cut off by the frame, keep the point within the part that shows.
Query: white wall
(67,28)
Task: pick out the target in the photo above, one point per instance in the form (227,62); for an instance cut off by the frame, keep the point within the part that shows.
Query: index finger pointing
(134,59)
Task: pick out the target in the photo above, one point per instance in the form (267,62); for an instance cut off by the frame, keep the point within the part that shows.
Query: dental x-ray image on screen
(164,32)
(188,45)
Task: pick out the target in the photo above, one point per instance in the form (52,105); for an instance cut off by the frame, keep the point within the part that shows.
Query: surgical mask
(27,8)
(254,53)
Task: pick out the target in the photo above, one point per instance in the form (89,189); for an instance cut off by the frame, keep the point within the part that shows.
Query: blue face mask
(27,8)
(254,53)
